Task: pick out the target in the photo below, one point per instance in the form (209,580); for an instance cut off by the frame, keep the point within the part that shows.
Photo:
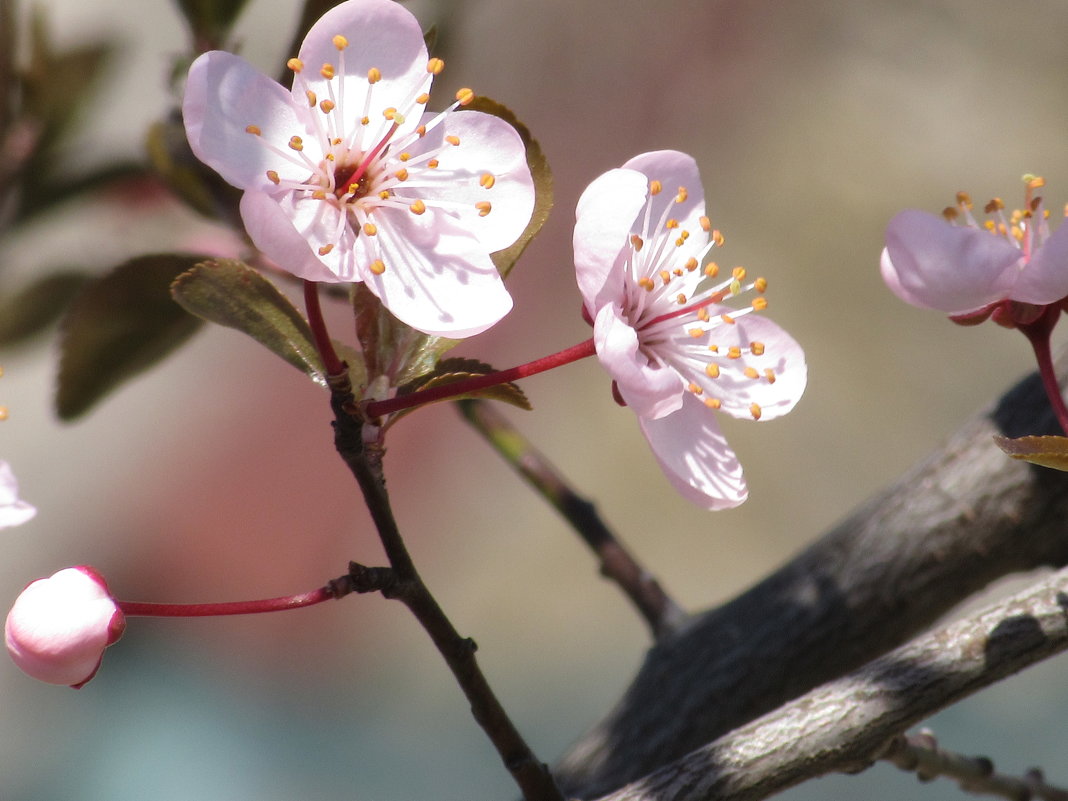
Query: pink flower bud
(59,626)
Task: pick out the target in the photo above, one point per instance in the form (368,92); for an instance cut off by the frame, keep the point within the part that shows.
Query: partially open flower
(13,512)
(348,178)
(664,331)
(59,626)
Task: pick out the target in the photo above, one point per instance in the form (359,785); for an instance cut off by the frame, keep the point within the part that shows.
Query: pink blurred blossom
(59,626)
(347,178)
(13,512)
(676,352)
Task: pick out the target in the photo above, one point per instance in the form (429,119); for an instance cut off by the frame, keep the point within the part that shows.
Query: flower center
(1026,228)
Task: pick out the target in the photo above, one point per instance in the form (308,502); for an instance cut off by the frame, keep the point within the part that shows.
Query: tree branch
(848,723)
(961,518)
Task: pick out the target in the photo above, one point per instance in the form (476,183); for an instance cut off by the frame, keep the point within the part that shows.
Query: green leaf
(120,325)
(210,21)
(35,307)
(539,170)
(231,293)
(449,371)
(1046,451)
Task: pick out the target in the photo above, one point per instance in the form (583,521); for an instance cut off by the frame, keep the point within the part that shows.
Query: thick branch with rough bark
(961,518)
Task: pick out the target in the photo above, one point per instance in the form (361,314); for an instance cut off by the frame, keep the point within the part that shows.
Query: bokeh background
(213,477)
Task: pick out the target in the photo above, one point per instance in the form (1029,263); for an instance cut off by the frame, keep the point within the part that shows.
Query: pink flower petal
(935,265)
(604,219)
(652,391)
(13,512)
(1045,277)
(383,35)
(224,94)
(58,628)
(695,456)
(271,229)
(674,170)
(438,277)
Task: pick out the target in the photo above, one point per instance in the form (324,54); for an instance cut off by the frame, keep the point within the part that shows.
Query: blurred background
(213,477)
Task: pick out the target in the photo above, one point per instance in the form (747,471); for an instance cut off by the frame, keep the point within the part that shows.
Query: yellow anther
(486,181)
(696,332)
(374,75)
(750,372)
(295,64)
(950,213)
(995,204)
(646,283)
(365,120)
(272,176)
(327,71)
(1034,181)
(655,187)
(754,409)
(691,264)
(678,272)
(734,352)
(712,370)
(484,207)
(378,267)
(671,224)
(465,96)
(435,66)
(680,299)
(706,224)
(384,194)
(769,374)
(760,285)
(405,156)
(717,237)
(433,164)
(401,174)
(370,229)
(390,113)
(756,348)
(727,319)
(713,403)
(296,143)
(330,157)
(418,207)
(736,286)
(759,304)
(695,388)
(3,413)
(665,276)
(340,42)
(326,106)
(423,99)
(636,242)
(311,98)
(711,269)
(682,195)
(964,200)
(738,273)
(703,315)
(325,249)
(714,348)
(453,140)
(319,194)
(253,129)
(680,241)
(421,130)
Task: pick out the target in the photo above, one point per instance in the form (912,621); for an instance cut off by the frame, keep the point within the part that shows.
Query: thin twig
(404,583)
(659,610)
(921,754)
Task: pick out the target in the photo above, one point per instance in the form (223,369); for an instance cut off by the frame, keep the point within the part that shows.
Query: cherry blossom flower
(346,177)
(676,352)
(59,626)
(958,266)
(13,512)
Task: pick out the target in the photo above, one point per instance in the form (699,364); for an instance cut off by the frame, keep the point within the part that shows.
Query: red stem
(136,609)
(331,362)
(455,388)
(1038,334)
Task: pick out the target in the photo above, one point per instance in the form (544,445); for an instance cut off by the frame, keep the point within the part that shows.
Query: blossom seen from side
(347,177)
(959,265)
(59,626)
(663,328)
(13,510)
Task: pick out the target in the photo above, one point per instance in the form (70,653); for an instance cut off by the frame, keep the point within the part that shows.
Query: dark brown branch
(958,520)
(663,615)
(845,724)
(404,583)
(921,754)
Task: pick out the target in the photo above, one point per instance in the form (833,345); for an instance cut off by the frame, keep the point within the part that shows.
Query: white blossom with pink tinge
(59,626)
(347,178)
(938,263)
(662,329)
(13,512)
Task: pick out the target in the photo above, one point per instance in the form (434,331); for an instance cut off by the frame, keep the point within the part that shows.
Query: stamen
(712,370)
(435,66)
(295,64)
(401,174)
(370,229)
(759,304)
(423,99)
(756,348)
(340,42)
(465,96)
(711,269)
(374,75)
(272,176)
(254,130)
(655,187)
(378,267)
(418,207)
(453,140)
(326,106)
(296,143)
(706,224)
(750,372)
(483,207)
(696,333)
(713,403)
(682,195)
(769,374)
(691,264)
(760,285)
(754,409)
(734,352)
(325,249)
(311,98)
(636,242)
(327,71)
(487,181)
